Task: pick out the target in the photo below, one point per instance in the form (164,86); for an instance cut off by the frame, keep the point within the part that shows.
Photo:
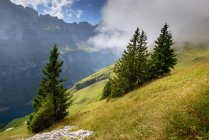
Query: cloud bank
(56,8)
(188,20)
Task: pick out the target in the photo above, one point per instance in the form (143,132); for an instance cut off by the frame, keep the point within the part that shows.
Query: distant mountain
(25,41)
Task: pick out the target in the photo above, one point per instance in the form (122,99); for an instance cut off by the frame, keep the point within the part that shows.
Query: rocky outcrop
(65,133)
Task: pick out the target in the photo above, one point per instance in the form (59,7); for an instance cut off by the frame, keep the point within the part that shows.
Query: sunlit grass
(82,98)
(17,130)
(141,113)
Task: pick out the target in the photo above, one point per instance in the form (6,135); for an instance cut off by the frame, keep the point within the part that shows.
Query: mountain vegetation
(51,102)
(98,76)
(158,102)
(164,58)
(135,67)
(25,40)
(174,106)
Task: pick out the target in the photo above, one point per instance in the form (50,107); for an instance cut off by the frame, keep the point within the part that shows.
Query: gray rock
(65,133)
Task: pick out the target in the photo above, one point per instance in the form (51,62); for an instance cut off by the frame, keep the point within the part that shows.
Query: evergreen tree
(142,55)
(119,86)
(54,85)
(163,58)
(42,94)
(52,92)
(131,69)
(44,117)
(125,69)
(134,67)
(106,90)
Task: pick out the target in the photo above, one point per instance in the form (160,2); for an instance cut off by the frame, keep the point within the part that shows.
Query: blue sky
(68,10)
(91,11)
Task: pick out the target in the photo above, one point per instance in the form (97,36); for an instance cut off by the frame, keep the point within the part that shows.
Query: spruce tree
(55,84)
(135,66)
(51,102)
(106,90)
(142,55)
(164,57)
(125,69)
(44,117)
(42,94)
(131,69)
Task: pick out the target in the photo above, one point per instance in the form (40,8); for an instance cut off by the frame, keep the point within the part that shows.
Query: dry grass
(141,113)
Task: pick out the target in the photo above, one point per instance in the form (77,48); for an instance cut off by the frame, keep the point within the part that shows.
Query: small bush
(119,87)
(190,119)
(107,90)
(44,118)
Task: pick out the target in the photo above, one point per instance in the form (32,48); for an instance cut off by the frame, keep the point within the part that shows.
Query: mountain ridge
(25,41)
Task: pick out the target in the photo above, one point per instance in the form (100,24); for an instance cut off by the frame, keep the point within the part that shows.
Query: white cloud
(187,19)
(76,13)
(57,8)
(32,3)
(79,13)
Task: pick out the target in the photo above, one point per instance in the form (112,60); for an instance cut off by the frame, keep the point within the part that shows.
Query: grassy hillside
(98,76)
(15,129)
(147,112)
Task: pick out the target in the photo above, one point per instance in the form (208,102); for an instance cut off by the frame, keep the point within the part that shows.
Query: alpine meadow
(104,70)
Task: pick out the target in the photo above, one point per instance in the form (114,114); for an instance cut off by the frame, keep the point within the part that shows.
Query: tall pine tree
(142,59)
(164,57)
(42,94)
(55,84)
(131,68)
(124,70)
(135,66)
(51,102)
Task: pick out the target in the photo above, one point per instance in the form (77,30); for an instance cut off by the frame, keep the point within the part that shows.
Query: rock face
(65,133)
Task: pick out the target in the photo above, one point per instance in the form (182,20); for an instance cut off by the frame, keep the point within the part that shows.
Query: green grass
(82,98)
(190,118)
(141,113)
(102,74)
(18,130)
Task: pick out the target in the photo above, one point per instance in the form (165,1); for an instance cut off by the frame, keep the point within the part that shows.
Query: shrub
(107,90)
(44,118)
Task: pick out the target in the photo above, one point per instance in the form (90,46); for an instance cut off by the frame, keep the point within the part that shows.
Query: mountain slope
(25,41)
(141,113)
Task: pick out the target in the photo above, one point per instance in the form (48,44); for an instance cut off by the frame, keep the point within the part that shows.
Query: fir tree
(125,69)
(52,92)
(135,66)
(142,55)
(163,58)
(131,69)
(106,90)
(55,84)
(44,117)
(42,94)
